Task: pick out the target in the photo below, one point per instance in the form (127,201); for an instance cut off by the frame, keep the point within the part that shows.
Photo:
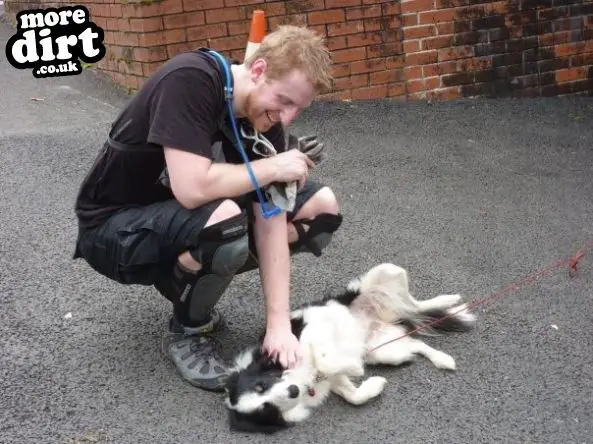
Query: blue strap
(268,210)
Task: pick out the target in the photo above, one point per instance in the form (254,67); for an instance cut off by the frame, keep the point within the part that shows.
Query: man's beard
(259,118)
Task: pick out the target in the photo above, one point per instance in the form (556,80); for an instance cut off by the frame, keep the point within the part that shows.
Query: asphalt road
(469,196)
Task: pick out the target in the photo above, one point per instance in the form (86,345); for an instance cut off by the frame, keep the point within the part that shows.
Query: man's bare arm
(196,180)
(271,241)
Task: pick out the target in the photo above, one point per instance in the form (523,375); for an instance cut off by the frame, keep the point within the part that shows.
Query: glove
(308,145)
(283,195)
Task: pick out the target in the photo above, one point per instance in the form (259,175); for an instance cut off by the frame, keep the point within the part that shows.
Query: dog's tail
(383,294)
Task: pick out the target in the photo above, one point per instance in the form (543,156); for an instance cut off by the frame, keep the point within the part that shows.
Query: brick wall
(414,49)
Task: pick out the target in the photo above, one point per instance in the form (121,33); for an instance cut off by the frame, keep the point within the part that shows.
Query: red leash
(572,262)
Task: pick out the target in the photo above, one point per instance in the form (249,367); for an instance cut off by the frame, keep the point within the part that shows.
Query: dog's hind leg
(369,389)
(442,302)
(403,349)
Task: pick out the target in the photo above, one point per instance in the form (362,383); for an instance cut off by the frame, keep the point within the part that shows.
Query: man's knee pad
(221,250)
(319,234)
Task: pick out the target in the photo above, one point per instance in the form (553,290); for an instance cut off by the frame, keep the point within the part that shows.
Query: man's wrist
(278,319)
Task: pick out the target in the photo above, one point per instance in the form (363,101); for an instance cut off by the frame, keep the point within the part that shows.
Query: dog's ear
(255,423)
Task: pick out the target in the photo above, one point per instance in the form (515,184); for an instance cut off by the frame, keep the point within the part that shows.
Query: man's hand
(281,345)
(291,165)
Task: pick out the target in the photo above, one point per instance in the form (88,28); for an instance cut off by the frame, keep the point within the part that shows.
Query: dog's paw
(444,361)
(449,299)
(372,387)
(462,313)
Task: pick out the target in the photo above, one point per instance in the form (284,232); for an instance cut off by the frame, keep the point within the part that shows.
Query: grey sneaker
(195,353)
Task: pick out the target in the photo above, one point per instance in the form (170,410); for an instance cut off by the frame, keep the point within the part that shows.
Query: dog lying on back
(339,335)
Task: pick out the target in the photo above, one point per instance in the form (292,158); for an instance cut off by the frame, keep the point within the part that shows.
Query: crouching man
(157,208)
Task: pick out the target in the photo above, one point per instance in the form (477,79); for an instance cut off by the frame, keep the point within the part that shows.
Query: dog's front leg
(369,389)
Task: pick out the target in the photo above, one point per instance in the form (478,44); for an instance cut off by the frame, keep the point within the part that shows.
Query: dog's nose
(293,391)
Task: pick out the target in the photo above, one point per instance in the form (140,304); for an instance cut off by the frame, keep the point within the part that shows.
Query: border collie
(369,323)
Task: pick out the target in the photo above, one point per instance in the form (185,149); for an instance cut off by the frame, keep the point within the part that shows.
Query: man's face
(280,100)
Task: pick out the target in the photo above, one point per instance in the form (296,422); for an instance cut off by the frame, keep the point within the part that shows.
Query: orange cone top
(258,26)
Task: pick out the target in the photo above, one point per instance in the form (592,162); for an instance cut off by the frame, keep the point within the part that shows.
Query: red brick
(328,16)
(438,69)
(450,93)
(388,76)
(409,19)
(411,46)
(432,83)
(242,2)
(363,12)
(206,31)
(345,28)
(228,43)
(184,20)
(571,74)
(396,89)
(299,6)
(123,24)
(457,52)
(152,54)
(394,62)
(225,15)
(341,3)
(240,27)
(434,17)
(414,86)
(177,48)
(339,95)
(295,19)
(348,55)
(417,6)
(319,29)
(370,65)
(370,92)
(158,9)
(272,9)
(391,8)
(342,70)
(356,81)
(422,58)
(362,39)
(417,32)
(554,38)
(334,43)
(413,72)
(437,42)
(149,68)
(200,5)
(162,37)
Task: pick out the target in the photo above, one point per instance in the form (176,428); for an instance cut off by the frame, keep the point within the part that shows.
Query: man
(157,208)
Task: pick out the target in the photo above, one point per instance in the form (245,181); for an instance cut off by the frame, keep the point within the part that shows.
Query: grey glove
(308,145)
(283,195)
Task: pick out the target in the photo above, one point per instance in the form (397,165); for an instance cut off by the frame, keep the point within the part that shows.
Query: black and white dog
(339,335)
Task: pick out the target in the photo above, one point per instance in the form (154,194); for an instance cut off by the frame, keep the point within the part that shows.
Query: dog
(369,323)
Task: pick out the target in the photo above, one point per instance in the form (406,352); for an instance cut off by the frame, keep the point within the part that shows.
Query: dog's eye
(260,387)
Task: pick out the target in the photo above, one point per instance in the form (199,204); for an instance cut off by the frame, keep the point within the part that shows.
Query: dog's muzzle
(293,391)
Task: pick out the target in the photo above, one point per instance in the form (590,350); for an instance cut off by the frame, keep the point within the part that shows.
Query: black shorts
(135,245)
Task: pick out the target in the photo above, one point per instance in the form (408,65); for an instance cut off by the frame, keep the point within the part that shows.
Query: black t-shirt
(181,106)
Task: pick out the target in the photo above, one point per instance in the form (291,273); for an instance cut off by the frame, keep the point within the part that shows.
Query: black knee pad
(319,234)
(221,249)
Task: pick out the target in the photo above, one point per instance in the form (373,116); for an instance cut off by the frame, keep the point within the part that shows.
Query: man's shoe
(195,354)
